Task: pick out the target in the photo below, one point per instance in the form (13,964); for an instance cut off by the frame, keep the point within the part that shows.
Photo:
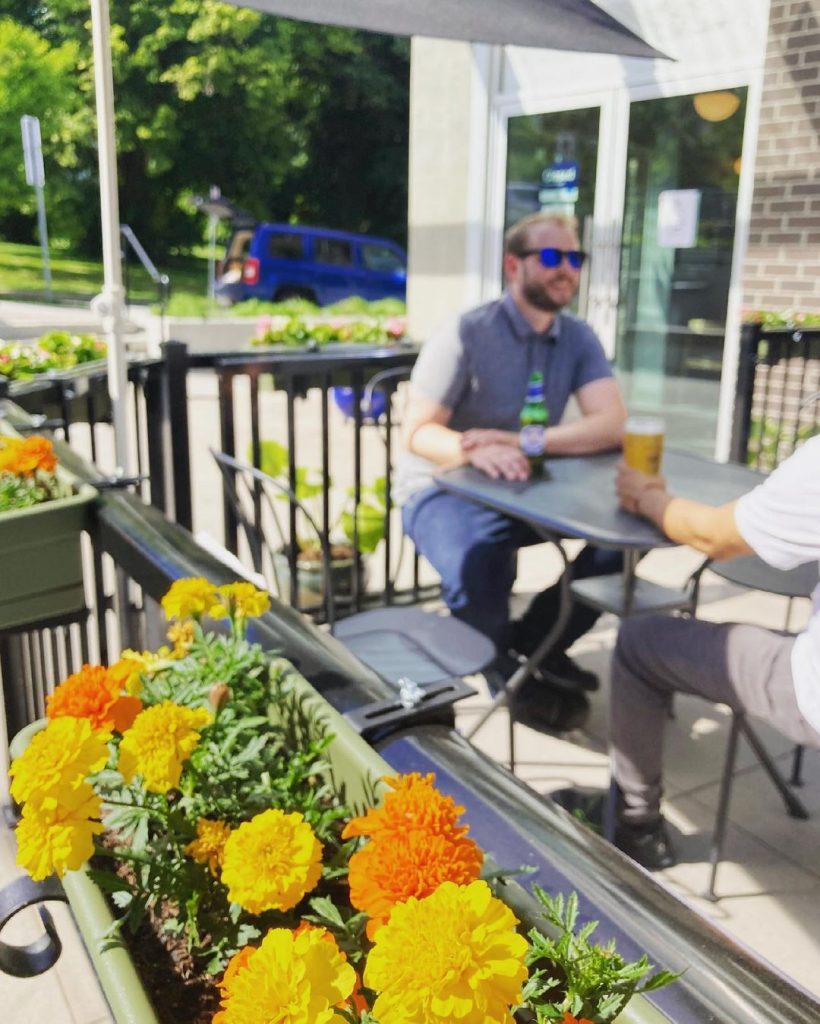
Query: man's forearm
(597,432)
(437,443)
(703,527)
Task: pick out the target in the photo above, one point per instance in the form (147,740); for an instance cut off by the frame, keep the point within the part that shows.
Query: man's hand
(477,437)
(631,484)
(499,461)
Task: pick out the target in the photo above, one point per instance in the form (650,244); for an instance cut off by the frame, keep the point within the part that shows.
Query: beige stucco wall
(442,91)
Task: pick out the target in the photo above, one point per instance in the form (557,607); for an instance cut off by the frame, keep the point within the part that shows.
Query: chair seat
(606,593)
(426,647)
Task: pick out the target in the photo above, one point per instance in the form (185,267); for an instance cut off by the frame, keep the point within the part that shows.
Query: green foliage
(297,332)
(770,441)
(36,78)
(24,492)
(260,751)
(294,121)
(370,513)
(788,319)
(572,974)
(56,350)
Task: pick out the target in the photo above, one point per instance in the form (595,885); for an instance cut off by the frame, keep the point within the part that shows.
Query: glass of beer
(643,443)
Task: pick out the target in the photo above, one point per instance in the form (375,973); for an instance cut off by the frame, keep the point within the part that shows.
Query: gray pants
(746,667)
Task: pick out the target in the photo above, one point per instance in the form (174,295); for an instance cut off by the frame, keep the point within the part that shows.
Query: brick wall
(782,269)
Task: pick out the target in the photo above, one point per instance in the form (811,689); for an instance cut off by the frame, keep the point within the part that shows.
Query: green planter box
(354,765)
(41,556)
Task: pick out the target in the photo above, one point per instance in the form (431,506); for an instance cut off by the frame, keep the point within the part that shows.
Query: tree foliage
(293,121)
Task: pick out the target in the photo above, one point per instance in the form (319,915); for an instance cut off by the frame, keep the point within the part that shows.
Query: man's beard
(536,294)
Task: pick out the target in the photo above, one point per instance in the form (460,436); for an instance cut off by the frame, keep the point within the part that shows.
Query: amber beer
(643,443)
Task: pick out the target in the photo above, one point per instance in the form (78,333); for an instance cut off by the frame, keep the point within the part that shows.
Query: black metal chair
(417,652)
(752,573)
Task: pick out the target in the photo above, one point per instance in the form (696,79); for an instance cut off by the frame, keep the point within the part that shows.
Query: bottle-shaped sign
(534,418)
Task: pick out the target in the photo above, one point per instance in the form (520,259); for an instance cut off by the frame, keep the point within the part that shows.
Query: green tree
(291,120)
(35,78)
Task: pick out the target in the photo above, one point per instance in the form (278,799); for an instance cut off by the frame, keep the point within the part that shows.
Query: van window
(285,246)
(381,258)
(332,250)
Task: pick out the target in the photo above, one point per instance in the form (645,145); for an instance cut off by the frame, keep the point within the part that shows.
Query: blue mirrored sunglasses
(551,258)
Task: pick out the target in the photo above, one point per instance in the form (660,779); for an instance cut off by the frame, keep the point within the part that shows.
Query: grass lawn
(21,275)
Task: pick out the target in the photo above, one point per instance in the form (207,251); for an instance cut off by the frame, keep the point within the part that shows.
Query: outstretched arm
(707,528)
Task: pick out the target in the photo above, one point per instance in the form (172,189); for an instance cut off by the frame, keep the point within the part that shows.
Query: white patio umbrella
(552,24)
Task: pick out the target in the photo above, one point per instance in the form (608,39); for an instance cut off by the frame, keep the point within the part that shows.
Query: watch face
(531,439)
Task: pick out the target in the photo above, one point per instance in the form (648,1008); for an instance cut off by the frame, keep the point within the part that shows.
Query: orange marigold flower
(26,456)
(397,866)
(413,803)
(95,694)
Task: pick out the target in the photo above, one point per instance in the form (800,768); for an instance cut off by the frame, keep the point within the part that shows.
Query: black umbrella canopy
(549,24)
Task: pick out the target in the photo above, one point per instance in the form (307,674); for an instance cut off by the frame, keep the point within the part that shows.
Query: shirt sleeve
(780,519)
(441,372)
(592,363)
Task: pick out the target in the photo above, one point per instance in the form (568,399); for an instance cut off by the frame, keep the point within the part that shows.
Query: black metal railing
(721,981)
(75,403)
(778,373)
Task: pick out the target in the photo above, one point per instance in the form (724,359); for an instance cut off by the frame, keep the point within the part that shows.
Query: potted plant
(55,350)
(43,511)
(240,847)
(353,535)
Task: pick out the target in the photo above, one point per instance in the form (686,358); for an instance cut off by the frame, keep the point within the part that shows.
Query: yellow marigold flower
(58,836)
(131,666)
(271,861)
(209,844)
(57,760)
(27,455)
(189,598)
(239,600)
(413,801)
(161,738)
(181,635)
(454,956)
(292,978)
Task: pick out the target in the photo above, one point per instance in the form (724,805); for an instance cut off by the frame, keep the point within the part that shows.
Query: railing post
(744,394)
(176,376)
(153,394)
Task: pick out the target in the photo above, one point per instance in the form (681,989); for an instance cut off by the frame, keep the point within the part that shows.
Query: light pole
(109,303)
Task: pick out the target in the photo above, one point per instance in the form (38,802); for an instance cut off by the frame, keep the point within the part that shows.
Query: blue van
(275,262)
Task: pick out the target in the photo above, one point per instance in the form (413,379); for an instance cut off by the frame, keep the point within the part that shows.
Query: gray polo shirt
(479,365)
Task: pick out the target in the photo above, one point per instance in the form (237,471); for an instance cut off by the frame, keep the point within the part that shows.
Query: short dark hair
(515,238)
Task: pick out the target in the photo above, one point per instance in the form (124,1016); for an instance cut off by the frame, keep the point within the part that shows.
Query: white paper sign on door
(678,210)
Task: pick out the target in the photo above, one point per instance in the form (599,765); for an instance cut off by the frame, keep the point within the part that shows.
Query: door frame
(608,208)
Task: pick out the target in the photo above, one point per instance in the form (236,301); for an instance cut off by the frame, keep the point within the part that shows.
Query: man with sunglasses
(466,393)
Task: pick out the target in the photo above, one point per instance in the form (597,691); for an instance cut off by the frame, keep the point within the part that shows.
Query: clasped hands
(496,453)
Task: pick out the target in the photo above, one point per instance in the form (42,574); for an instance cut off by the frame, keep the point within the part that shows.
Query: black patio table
(575,498)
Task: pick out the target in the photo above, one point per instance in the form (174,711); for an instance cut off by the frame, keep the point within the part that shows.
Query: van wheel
(294,292)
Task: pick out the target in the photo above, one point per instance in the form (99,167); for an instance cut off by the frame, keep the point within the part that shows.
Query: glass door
(682,170)
(552,163)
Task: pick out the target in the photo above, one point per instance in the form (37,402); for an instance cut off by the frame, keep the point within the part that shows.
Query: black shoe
(550,709)
(647,844)
(560,670)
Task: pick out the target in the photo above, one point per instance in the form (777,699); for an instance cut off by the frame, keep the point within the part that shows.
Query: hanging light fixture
(715,106)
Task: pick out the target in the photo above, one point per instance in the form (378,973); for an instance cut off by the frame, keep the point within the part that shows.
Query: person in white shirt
(770,675)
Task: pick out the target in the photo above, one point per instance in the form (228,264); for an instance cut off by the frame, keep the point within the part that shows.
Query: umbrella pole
(109,304)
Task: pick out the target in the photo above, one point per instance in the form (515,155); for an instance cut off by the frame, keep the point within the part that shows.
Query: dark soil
(180,992)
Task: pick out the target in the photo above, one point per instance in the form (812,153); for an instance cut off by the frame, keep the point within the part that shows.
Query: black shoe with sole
(549,708)
(560,670)
(647,844)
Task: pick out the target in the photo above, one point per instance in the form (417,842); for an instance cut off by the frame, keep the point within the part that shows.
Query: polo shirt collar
(522,328)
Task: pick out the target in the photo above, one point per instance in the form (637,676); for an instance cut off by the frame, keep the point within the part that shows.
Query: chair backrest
(253,494)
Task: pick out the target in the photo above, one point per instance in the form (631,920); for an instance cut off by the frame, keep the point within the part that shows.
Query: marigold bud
(219,695)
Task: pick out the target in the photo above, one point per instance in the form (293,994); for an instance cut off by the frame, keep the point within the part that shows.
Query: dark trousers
(474,550)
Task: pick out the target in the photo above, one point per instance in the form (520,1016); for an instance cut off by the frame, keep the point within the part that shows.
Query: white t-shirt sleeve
(780,519)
